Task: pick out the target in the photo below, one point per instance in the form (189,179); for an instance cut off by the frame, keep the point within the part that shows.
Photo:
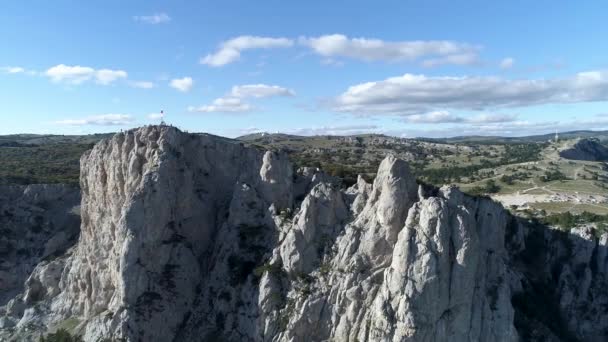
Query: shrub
(60,335)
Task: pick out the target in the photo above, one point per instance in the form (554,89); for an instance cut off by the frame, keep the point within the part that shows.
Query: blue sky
(404,68)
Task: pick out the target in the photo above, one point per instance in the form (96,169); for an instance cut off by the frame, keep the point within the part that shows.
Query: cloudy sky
(403,68)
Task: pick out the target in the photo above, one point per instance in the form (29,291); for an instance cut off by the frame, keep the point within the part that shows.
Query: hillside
(43,159)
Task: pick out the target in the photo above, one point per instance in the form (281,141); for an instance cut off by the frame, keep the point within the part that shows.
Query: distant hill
(35,159)
(585,149)
(478,139)
(45,139)
(43,159)
(467,139)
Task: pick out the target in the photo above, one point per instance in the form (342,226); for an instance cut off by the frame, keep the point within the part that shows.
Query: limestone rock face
(190,237)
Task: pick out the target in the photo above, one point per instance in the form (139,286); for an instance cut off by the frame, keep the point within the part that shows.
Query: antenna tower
(162,118)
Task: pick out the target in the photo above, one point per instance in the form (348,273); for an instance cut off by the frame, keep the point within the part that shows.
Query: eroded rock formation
(197,238)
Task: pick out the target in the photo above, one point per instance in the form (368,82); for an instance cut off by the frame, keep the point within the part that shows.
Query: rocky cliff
(585,149)
(197,238)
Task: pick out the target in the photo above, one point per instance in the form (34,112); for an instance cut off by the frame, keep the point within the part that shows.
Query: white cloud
(223,105)
(507,63)
(157,18)
(233,101)
(78,74)
(71,74)
(414,94)
(260,91)
(182,84)
(230,50)
(107,76)
(338,45)
(99,120)
(12,70)
(142,84)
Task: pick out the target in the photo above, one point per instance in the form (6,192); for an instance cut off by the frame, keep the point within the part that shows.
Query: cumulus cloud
(157,18)
(99,120)
(107,76)
(142,84)
(182,84)
(338,45)
(223,105)
(507,63)
(414,94)
(260,91)
(78,74)
(233,101)
(230,50)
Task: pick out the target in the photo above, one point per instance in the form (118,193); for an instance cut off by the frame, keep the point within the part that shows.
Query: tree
(491,187)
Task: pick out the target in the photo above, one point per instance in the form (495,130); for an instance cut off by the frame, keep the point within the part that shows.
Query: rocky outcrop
(197,238)
(585,149)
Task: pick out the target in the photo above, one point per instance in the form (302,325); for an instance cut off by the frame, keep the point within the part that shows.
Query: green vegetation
(490,188)
(574,208)
(512,154)
(267,267)
(60,335)
(453,173)
(522,153)
(45,164)
(553,175)
(510,179)
(567,220)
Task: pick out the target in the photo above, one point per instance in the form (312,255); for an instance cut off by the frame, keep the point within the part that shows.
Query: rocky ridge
(585,149)
(189,237)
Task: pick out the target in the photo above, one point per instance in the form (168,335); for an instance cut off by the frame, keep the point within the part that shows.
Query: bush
(568,221)
(553,176)
(61,335)
(491,187)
